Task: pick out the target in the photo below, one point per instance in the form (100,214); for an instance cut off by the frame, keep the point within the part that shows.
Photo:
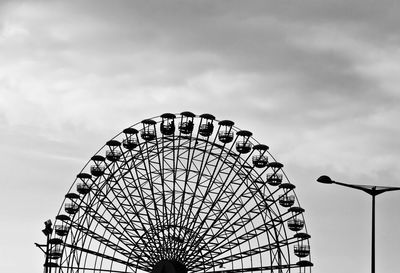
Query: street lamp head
(325,179)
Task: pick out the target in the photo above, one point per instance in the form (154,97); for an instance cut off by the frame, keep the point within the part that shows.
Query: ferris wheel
(179,193)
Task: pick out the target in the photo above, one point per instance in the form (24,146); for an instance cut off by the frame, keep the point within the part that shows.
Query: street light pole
(371,190)
(373,235)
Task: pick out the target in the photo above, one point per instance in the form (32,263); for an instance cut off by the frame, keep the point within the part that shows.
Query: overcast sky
(317,81)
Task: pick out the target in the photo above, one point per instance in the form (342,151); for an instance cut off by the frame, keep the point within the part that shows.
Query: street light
(48,228)
(371,190)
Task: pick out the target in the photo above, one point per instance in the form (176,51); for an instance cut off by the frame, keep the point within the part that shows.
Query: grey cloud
(295,73)
(152,44)
(240,40)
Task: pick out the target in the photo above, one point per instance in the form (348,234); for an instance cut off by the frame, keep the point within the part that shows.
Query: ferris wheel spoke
(229,235)
(172,153)
(234,212)
(89,269)
(223,209)
(106,242)
(203,204)
(208,158)
(160,165)
(221,259)
(203,162)
(127,197)
(135,187)
(104,256)
(187,157)
(185,154)
(167,195)
(259,268)
(228,238)
(152,198)
(177,165)
(120,215)
(220,190)
(226,235)
(94,215)
(148,176)
(132,248)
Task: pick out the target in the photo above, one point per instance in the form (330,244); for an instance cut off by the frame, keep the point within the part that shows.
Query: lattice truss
(204,194)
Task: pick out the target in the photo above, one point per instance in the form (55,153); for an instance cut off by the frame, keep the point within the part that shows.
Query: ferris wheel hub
(169,266)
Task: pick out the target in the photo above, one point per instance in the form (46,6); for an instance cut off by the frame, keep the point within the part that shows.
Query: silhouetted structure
(371,190)
(200,196)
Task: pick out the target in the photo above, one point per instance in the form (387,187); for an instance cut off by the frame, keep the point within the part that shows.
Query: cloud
(316,81)
(309,62)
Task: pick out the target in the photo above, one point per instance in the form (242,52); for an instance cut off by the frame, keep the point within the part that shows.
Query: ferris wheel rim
(152,122)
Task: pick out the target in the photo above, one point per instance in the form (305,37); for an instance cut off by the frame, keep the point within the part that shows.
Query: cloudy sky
(317,81)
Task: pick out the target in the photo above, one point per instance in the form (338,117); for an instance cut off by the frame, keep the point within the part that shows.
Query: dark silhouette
(204,198)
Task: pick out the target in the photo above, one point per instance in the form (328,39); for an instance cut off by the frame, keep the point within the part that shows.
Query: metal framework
(180,193)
